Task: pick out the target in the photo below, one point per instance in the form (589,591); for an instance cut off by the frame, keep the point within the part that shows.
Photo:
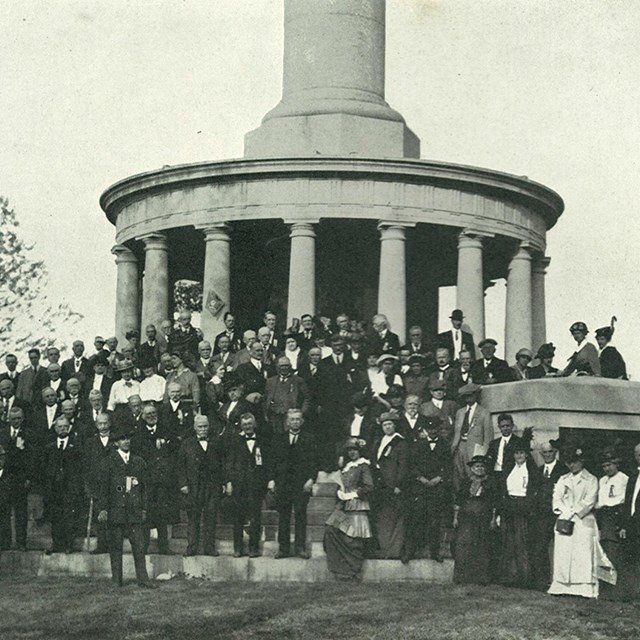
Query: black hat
(578,326)
(546,350)
(124,429)
(457,314)
(572,454)
(521,445)
(482,459)
(607,332)
(359,400)
(417,357)
(610,455)
(394,391)
(352,443)
(232,381)
(487,341)
(101,359)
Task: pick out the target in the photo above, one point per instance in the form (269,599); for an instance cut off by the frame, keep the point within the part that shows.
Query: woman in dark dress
(611,362)
(519,489)
(347,528)
(545,369)
(391,475)
(474,516)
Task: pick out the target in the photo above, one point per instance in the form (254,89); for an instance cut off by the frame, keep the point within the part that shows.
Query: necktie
(457,335)
(14,434)
(61,444)
(546,472)
(294,439)
(465,424)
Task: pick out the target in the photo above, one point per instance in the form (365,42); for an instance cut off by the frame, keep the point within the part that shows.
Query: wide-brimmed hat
(388,415)
(478,459)
(607,332)
(468,389)
(386,356)
(578,326)
(123,365)
(525,352)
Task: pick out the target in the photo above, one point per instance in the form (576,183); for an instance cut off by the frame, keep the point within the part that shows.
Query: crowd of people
(128,435)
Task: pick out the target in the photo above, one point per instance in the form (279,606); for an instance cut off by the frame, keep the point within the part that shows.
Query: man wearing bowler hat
(122,503)
(489,369)
(456,340)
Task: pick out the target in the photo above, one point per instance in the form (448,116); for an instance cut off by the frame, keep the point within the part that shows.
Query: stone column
(470,283)
(155,284)
(216,283)
(539,319)
(302,271)
(127,308)
(518,322)
(392,285)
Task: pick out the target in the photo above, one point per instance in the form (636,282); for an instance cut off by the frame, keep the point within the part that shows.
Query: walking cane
(87,540)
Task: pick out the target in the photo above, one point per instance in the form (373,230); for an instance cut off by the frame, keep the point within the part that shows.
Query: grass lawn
(72,608)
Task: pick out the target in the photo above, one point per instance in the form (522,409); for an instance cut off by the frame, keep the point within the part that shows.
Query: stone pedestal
(302,271)
(392,286)
(127,294)
(155,285)
(470,282)
(538,319)
(216,283)
(518,323)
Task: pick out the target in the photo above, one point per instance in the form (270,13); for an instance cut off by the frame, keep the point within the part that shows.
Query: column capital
(540,264)
(123,254)
(154,241)
(470,238)
(524,251)
(219,232)
(299,228)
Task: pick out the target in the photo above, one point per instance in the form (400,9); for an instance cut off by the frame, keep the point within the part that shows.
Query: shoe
(254,554)
(148,585)
(405,558)
(305,555)
(281,554)
(238,554)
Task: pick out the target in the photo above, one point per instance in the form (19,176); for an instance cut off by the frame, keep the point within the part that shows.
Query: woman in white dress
(578,559)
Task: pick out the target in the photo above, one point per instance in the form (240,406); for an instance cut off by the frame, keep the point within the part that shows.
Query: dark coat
(179,422)
(282,396)
(497,368)
(247,472)
(292,466)
(612,364)
(200,470)
(122,507)
(254,380)
(334,384)
(150,353)
(391,469)
(389,344)
(507,458)
(68,370)
(533,486)
(540,372)
(631,523)
(403,427)
(445,341)
(21,461)
(544,497)
(63,472)
(105,388)
(93,455)
(431,464)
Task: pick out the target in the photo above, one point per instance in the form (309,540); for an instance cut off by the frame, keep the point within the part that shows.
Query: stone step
(223,568)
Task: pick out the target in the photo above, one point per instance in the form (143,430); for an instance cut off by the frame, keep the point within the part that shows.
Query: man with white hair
(244,354)
(77,366)
(384,341)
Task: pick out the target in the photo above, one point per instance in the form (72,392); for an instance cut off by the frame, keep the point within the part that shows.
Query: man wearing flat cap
(122,504)
(489,369)
(456,340)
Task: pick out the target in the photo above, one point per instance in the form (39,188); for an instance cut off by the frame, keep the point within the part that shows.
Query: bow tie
(63,437)
(128,384)
(250,437)
(151,430)
(202,439)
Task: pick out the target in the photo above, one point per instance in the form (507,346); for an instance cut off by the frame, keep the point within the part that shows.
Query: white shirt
(55,384)
(120,392)
(104,440)
(251,445)
(232,406)
(548,468)
(51,413)
(292,436)
(383,443)
(153,388)
(204,444)
(62,441)
(293,357)
(457,342)
(124,455)
(499,459)
(411,421)
(257,364)
(97,381)
(611,490)
(437,403)
(518,480)
(174,405)
(356,426)
(636,489)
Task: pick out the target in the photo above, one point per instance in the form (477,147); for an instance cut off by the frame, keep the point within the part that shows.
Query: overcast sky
(96,91)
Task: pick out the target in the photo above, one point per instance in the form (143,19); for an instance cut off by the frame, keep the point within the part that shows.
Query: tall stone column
(392,285)
(302,271)
(518,322)
(539,318)
(155,284)
(216,283)
(470,283)
(127,308)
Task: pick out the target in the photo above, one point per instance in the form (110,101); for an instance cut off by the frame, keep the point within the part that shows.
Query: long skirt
(345,555)
(515,564)
(472,549)
(390,526)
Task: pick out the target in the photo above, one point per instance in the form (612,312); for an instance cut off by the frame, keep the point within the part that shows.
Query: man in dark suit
(308,332)
(233,335)
(254,374)
(439,406)
(411,423)
(150,350)
(77,366)
(32,379)
(383,340)
(247,476)
(200,478)
(443,370)
(96,449)
(417,344)
(63,476)
(489,369)
(501,449)
(99,380)
(630,531)
(8,401)
(11,362)
(122,505)
(360,423)
(294,470)
(308,371)
(430,490)
(227,419)
(284,391)
(175,413)
(19,446)
(224,356)
(157,445)
(545,520)
(456,340)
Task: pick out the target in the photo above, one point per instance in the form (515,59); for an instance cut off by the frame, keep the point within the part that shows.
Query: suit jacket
(178,422)
(229,425)
(20,459)
(205,372)
(235,341)
(544,497)
(254,380)
(459,380)
(150,353)
(430,464)
(403,427)
(508,461)
(292,466)
(42,431)
(248,472)
(93,455)
(447,375)
(5,376)
(105,388)
(63,471)
(497,368)
(480,430)
(389,344)
(30,384)
(122,507)
(447,413)
(631,523)
(161,467)
(201,470)
(68,370)
(391,468)
(335,384)
(229,363)
(445,341)
(282,396)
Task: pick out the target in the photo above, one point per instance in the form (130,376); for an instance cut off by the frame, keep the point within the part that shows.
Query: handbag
(564,527)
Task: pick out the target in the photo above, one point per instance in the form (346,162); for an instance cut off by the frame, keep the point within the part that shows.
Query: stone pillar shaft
(539,319)
(392,285)
(127,309)
(216,283)
(470,283)
(155,284)
(302,271)
(518,322)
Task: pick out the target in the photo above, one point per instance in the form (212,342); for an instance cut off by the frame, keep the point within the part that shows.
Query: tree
(27,317)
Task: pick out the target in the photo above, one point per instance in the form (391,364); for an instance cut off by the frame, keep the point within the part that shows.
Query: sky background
(96,91)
